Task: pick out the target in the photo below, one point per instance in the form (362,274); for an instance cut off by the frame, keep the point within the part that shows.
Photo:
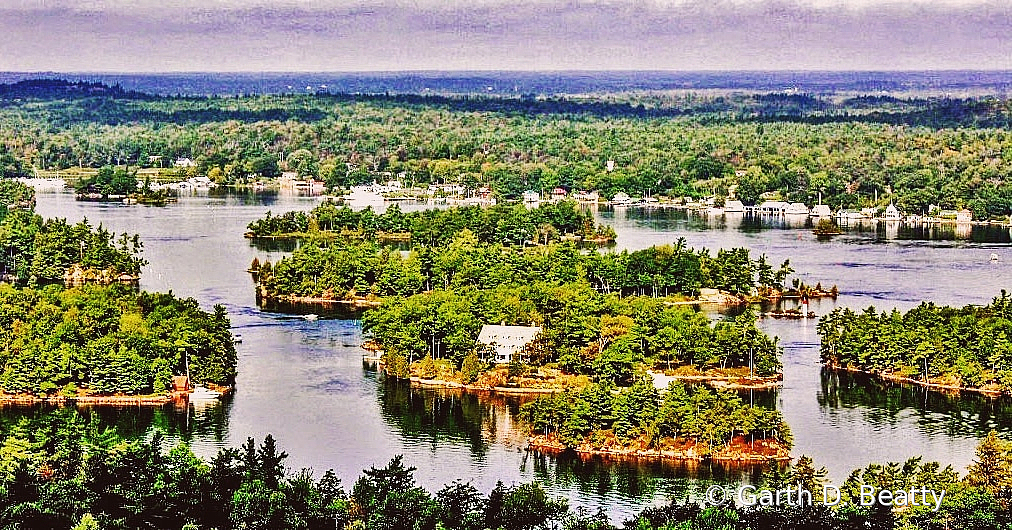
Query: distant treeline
(915,152)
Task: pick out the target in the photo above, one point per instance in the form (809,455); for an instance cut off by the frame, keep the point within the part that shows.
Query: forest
(968,347)
(640,416)
(345,270)
(913,151)
(105,340)
(64,472)
(583,332)
(36,251)
(508,224)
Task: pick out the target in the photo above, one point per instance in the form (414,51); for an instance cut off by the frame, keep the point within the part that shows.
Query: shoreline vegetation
(656,146)
(679,422)
(350,270)
(109,345)
(941,348)
(508,224)
(80,475)
(76,330)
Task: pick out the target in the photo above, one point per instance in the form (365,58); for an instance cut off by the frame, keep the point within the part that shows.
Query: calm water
(304,381)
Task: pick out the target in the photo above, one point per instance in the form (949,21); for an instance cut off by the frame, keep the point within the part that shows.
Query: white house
(821,210)
(773,207)
(891,213)
(507,341)
(733,206)
(184,162)
(797,208)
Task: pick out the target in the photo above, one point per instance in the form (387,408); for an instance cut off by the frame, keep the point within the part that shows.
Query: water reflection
(179,422)
(935,413)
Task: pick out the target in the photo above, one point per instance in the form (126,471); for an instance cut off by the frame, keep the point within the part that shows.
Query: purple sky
(357,35)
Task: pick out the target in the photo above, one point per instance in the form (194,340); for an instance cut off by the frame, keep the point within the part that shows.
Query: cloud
(332,35)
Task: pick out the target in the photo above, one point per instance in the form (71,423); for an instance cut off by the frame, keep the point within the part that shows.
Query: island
(37,251)
(509,224)
(109,345)
(942,348)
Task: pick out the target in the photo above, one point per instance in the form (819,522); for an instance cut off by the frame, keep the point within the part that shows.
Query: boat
(200,393)
(994,257)
(310,317)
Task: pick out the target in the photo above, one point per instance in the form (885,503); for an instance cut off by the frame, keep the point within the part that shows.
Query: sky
(540,35)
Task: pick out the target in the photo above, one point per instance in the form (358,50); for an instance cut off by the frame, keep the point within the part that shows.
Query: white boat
(311,317)
(620,199)
(994,257)
(200,393)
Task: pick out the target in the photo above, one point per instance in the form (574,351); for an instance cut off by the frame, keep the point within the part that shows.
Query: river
(304,381)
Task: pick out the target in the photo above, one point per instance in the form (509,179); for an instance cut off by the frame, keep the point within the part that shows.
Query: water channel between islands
(304,381)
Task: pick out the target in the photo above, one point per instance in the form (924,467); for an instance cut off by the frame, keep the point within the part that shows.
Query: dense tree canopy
(912,151)
(582,330)
(345,269)
(968,347)
(508,224)
(37,250)
(62,471)
(108,340)
(641,413)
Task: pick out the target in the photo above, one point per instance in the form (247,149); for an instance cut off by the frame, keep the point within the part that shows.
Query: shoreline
(318,300)
(937,387)
(679,450)
(509,390)
(153,400)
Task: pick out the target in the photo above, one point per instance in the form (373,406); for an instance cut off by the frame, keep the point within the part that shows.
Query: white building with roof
(507,341)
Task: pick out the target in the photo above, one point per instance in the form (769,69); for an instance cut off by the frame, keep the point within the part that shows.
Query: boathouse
(505,342)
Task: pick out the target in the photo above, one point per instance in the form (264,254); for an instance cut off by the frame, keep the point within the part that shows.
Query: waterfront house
(733,206)
(964,216)
(773,207)
(505,342)
(797,208)
(531,197)
(558,194)
(821,210)
(620,198)
(891,213)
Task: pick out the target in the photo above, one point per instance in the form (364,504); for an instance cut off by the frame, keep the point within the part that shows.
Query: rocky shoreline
(738,451)
(938,387)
